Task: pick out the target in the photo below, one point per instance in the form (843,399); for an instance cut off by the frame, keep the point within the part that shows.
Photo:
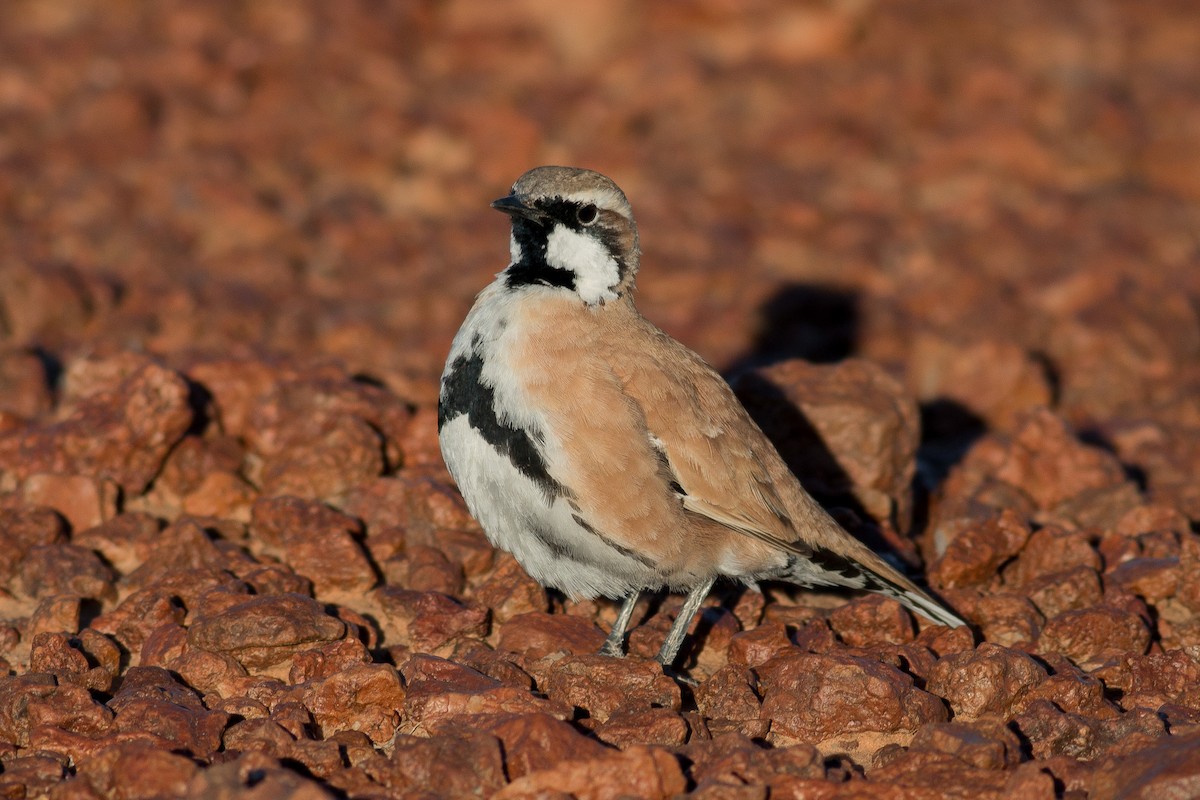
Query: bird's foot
(678,676)
(613,647)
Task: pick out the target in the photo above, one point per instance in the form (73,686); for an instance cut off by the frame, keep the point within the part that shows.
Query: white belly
(540,532)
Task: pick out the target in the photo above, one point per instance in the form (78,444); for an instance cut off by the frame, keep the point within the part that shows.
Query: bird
(608,458)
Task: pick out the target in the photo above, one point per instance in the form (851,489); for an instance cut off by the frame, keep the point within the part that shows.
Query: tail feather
(821,566)
(917,601)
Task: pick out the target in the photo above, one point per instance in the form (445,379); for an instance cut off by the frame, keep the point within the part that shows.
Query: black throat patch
(465,392)
(532,269)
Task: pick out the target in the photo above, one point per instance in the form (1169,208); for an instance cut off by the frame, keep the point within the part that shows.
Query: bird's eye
(587,214)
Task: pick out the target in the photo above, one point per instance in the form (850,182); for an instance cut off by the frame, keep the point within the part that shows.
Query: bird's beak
(513,206)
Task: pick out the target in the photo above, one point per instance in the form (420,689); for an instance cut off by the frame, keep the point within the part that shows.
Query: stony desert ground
(948,255)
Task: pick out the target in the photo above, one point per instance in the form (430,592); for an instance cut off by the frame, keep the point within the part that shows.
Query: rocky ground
(950,252)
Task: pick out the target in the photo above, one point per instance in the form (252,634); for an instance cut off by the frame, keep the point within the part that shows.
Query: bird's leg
(614,645)
(670,646)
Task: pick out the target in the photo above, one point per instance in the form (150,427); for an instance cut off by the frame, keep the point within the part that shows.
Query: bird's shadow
(817,323)
(823,324)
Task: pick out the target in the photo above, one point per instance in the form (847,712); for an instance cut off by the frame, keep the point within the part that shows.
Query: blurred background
(999,203)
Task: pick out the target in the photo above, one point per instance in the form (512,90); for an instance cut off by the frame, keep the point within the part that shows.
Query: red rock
(328,395)
(65,569)
(221,494)
(499,666)
(427,569)
(1100,508)
(943,641)
(1152,579)
(328,659)
(210,673)
(1049,463)
(195,731)
(972,549)
(1072,690)
(984,745)
(1154,679)
(470,764)
(254,776)
(442,694)
(25,528)
(1161,544)
(936,774)
(1041,458)
(1113,350)
(316,541)
(319,438)
(265,630)
(56,614)
(320,758)
(415,502)
(293,717)
(1188,591)
(734,762)
(419,443)
(815,637)
(1051,732)
(1167,769)
(728,694)
(65,658)
(636,772)
(533,742)
(652,726)
(759,645)
(1007,619)
(428,621)
(468,547)
(1152,517)
(16,692)
(131,622)
(125,541)
(83,500)
(31,775)
(990,681)
(1092,634)
(121,433)
(602,686)
(847,430)
(276,579)
(1134,730)
(69,708)
(164,646)
(196,458)
(1068,590)
(136,770)
(361,697)
(1049,551)
(100,650)
(837,701)
(994,379)
(185,545)
(24,383)
(872,620)
(510,592)
(259,736)
(537,635)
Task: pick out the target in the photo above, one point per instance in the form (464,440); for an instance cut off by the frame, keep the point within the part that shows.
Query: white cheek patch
(596,272)
(514,250)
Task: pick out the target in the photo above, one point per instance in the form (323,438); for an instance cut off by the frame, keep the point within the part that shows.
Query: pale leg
(670,646)
(614,645)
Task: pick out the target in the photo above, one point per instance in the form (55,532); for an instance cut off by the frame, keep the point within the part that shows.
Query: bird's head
(572,229)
